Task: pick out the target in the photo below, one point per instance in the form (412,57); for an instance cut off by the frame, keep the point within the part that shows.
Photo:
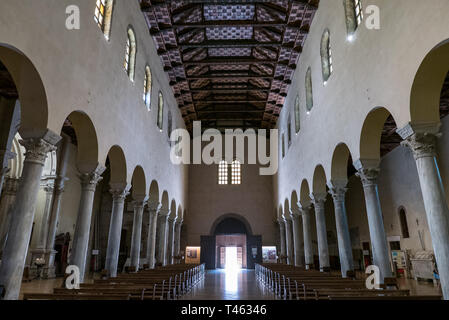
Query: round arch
(87,141)
(426,88)
(117,162)
(31,91)
(230,218)
(138,182)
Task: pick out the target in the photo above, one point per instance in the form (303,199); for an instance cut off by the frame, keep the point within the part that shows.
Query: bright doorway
(231,259)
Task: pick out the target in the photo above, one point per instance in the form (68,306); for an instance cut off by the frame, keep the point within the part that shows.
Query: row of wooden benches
(162,283)
(294,283)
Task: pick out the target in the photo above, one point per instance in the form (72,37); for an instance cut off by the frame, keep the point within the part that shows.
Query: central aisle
(229,285)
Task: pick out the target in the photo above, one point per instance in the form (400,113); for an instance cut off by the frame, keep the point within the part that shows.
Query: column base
(48,271)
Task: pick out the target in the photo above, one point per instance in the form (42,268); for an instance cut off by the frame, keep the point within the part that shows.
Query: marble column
(337,189)
(422,142)
(56,206)
(119,193)
(369,173)
(5,156)
(178,227)
(9,195)
(80,244)
(153,209)
(289,238)
(22,215)
(40,250)
(307,230)
(138,206)
(162,235)
(298,237)
(171,241)
(319,200)
(282,239)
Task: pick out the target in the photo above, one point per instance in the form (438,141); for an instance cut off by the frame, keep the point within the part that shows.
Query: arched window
(354,16)
(326,56)
(223,172)
(309,90)
(103,16)
(147,88)
(169,126)
(297,119)
(283,145)
(130,54)
(160,111)
(403,221)
(236,172)
(289,130)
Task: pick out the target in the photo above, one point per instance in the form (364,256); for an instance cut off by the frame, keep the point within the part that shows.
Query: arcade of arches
(86,116)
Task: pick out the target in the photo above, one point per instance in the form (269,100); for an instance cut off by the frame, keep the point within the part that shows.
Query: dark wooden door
(253,250)
(207,255)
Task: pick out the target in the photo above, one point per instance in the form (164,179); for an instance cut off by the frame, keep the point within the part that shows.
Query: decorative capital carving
(337,190)
(163,212)
(422,144)
(179,222)
(36,150)
(305,210)
(281,222)
(154,206)
(368,176)
(139,204)
(318,199)
(296,213)
(119,192)
(89,180)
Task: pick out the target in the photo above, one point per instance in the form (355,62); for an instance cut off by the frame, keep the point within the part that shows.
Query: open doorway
(231,251)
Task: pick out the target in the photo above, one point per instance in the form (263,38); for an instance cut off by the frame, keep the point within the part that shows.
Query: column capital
(421,139)
(139,202)
(296,213)
(154,206)
(305,210)
(281,222)
(288,215)
(37,148)
(48,185)
(119,191)
(318,198)
(89,180)
(171,220)
(337,189)
(368,171)
(179,222)
(163,212)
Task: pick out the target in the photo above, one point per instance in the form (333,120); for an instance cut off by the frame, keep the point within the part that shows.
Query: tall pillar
(56,206)
(178,227)
(162,235)
(289,238)
(298,237)
(9,195)
(318,200)
(22,215)
(119,193)
(307,230)
(153,209)
(83,221)
(368,173)
(171,241)
(423,146)
(5,156)
(337,189)
(138,205)
(40,250)
(282,239)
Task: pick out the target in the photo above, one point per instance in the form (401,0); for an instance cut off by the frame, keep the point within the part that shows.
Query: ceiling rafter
(230,56)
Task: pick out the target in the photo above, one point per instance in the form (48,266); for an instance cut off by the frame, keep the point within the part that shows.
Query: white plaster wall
(377,69)
(82,71)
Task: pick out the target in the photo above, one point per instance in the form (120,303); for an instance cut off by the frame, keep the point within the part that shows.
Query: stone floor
(219,285)
(231,285)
